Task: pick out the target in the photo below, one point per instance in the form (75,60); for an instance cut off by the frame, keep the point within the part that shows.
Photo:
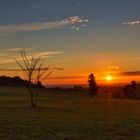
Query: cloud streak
(135,22)
(31,27)
(27,27)
(67,77)
(53,68)
(7,56)
(131,73)
(18,49)
(47,53)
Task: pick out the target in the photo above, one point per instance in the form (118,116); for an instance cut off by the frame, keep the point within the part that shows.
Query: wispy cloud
(130,73)
(7,56)
(134,22)
(113,70)
(17,49)
(67,77)
(53,68)
(76,22)
(27,27)
(31,27)
(46,53)
(113,67)
(6,60)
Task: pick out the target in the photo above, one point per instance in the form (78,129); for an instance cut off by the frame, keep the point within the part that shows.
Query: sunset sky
(78,36)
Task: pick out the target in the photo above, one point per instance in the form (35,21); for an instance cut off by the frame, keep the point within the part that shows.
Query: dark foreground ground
(67,115)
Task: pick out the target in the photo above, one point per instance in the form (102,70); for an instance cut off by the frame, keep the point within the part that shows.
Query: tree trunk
(33,101)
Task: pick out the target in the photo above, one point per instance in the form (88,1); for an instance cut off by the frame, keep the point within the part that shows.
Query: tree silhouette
(133,84)
(92,84)
(35,73)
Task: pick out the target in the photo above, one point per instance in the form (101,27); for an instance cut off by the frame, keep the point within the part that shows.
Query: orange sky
(59,78)
(93,36)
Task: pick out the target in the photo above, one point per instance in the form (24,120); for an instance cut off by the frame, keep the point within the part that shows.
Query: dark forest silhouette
(16,81)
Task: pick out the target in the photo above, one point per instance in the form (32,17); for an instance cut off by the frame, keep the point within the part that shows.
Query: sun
(108,78)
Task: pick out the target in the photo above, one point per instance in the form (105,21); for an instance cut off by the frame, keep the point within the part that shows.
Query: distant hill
(16,81)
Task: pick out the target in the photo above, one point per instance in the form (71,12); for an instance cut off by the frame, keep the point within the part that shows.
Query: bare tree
(35,72)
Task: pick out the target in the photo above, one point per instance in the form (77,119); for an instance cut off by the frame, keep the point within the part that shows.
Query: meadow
(67,115)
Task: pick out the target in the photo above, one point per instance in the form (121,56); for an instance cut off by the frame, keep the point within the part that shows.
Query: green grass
(67,116)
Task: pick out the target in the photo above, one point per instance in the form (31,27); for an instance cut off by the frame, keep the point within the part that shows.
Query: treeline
(132,90)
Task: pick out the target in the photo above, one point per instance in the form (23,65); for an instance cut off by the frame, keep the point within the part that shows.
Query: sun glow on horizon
(108,78)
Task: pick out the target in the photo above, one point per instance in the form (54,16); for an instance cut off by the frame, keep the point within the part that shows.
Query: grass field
(67,115)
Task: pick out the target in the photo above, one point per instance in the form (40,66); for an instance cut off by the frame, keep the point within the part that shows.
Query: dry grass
(64,115)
